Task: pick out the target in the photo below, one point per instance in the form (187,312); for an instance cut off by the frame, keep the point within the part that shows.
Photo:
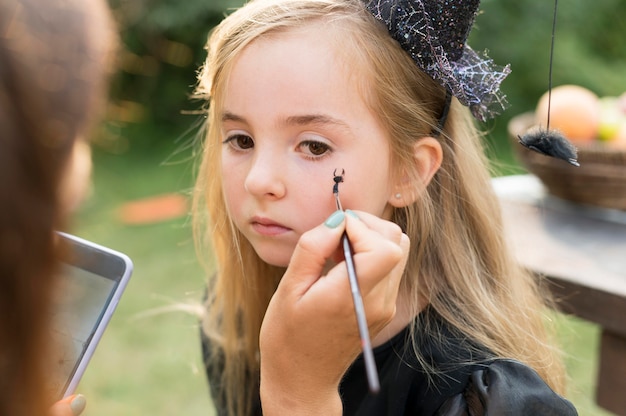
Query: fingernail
(335,219)
(78,404)
(352,214)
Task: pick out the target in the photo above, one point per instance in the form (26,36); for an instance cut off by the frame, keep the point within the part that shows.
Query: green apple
(611,118)
(619,141)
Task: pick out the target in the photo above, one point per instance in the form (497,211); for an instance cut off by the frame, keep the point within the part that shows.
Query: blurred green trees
(163,46)
(161,49)
(589,45)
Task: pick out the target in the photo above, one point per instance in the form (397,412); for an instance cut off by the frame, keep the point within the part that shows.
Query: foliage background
(149,360)
(164,46)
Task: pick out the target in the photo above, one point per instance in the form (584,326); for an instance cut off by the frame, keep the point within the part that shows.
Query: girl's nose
(265,178)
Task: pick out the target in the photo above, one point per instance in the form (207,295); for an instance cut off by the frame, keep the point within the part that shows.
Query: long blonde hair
(459,260)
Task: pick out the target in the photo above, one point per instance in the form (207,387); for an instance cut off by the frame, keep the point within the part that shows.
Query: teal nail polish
(352,214)
(78,405)
(335,219)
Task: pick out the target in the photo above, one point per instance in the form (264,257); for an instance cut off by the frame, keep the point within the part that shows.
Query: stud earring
(398,195)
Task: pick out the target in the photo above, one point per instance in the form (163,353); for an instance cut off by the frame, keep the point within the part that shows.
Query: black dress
(465,380)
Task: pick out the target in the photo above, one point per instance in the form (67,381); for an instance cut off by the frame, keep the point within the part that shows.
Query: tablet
(92,280)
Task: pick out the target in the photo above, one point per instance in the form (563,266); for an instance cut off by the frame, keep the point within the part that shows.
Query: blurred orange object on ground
(154,209)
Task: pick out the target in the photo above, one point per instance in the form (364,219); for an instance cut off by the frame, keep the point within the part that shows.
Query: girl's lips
(268,227)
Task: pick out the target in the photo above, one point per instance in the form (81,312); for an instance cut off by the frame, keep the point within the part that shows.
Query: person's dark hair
(53,58)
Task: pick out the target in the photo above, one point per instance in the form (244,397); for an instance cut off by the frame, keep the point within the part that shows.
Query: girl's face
(292,115)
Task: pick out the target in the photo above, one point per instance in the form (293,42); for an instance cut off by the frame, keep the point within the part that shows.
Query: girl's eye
(314,148)
(240,141)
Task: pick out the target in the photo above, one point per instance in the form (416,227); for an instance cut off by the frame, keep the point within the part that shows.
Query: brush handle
(368,354)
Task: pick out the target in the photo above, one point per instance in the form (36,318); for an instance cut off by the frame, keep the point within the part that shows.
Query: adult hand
(70,406)
(309,336)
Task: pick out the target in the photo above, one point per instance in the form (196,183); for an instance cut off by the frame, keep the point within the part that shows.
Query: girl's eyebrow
(299,120)
(228,116)
(319,119)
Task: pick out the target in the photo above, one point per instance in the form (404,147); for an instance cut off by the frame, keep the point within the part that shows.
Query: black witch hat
(434,33)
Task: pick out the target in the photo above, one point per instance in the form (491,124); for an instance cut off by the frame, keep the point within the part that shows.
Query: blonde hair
(459,261)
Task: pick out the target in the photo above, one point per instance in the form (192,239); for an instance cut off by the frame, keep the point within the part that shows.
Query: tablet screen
(91,282)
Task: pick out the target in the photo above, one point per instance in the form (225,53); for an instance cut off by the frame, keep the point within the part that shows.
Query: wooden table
(582,252)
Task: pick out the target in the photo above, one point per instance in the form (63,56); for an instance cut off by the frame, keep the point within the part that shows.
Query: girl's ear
(427,157)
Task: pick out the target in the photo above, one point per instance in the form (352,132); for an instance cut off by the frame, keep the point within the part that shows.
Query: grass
(148,362)
(580,340)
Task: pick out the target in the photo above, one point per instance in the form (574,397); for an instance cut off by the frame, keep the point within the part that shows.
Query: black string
(551,59)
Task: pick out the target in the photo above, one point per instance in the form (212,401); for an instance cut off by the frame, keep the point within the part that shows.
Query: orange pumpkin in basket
(574,110)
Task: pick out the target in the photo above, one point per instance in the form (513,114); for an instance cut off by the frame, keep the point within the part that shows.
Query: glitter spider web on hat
(434,33)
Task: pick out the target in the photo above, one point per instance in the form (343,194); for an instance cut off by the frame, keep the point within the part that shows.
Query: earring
(398,195)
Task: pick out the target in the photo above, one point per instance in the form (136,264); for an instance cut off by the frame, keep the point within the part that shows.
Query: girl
(298,89)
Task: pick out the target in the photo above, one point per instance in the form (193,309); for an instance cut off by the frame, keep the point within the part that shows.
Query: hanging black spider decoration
(544,140)
(550,143)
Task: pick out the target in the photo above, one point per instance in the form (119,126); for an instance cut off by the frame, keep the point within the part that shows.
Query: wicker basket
(599,181)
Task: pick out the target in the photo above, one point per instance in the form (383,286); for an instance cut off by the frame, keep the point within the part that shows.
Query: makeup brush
(368,354)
